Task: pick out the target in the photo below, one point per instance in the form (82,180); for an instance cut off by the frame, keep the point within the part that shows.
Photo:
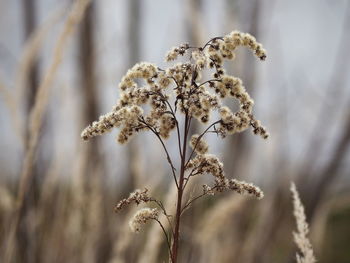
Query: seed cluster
(210,164)
(236,38)
(240,187)
(136,197)
(174,52)
(180,88)
(142,217)
(199,145)
(243,187)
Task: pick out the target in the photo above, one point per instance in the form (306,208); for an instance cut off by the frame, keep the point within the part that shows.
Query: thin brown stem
(193,200)
(175,246)
(164,147)
(199,138)
(210,80)
(170,77)
(192,174)
(172,112)
(189,124)
(211,40)
(166,238)
(177,126)
(160,204)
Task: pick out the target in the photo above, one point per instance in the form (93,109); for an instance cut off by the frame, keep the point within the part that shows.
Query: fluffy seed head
(141,217)
(199,145)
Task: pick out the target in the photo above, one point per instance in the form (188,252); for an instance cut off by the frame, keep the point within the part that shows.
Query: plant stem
(175,246)
(199,138)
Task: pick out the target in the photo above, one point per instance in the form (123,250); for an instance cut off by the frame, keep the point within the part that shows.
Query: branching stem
(160,204)
(211,40)
(164,147)
(167,238)
(193,200)
(180,192)
(199,138)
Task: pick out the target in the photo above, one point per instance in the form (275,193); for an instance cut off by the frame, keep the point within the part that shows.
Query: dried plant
(300,237)
(177,96)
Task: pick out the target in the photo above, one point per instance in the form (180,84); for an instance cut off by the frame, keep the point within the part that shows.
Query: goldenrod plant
(165,100)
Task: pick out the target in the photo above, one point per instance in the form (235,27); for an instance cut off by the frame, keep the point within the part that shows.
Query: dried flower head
(236,38)
(198,144)
(210,164)
(191,96)
(141,217)
(242,187)
(136,197)
(174,52)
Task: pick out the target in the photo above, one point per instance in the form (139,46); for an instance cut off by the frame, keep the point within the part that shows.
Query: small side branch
(164,147)
(211,40)
(166,237)
(210,80)
(177,125)
(193,200)
(172,112)
(190,202)
(192,173)
(199,138)
(161,206)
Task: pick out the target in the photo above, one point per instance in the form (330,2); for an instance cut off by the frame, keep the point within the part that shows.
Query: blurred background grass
(61,198)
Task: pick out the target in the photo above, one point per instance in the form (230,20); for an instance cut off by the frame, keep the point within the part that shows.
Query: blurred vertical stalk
(88,74)
(132,158)
(134,31)
(195,33)
(88,87)
(93,179)
(237,146)
(26,232)
(337,87)
(29,25)
(330,172)
(194,26)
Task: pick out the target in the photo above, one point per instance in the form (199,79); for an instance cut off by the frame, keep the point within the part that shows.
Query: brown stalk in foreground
(181,90)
